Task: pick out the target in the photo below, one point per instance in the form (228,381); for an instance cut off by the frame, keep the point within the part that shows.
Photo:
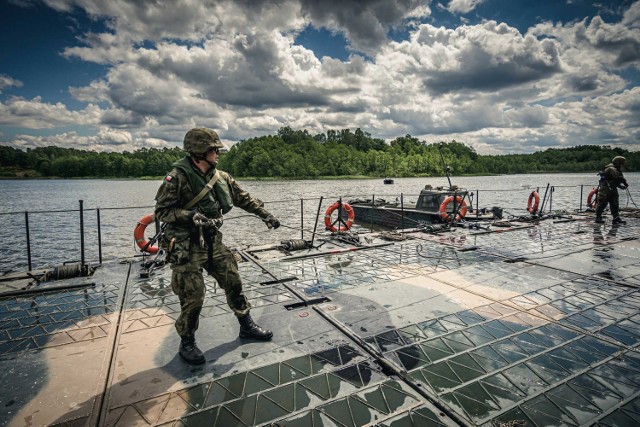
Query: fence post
(373,207)
(455,207)
(82,264)
(99,237)
(402,211)
(315,227)
(26,222)
(581,190)
(302,218)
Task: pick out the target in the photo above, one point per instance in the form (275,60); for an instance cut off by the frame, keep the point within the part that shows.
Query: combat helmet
(618,160)
(198,140)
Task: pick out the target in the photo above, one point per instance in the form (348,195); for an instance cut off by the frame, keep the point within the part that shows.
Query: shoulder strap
(205,190)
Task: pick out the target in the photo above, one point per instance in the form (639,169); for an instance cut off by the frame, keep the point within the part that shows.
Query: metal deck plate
(537,324)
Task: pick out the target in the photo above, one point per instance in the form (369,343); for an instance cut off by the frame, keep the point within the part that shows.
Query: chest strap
(208,187)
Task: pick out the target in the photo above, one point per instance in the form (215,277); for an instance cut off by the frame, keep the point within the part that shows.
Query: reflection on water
(55,236)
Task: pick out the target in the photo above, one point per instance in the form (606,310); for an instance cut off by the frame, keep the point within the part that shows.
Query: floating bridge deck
(534,324)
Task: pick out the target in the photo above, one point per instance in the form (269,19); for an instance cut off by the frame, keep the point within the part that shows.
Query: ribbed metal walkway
(537,324)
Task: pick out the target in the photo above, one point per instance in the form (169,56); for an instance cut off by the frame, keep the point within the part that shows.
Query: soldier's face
(213,154)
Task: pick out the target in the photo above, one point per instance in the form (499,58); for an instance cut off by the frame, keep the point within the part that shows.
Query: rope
(629,198)
(298,229)
(512,423)
(392,235)
(295,244)
(66,271)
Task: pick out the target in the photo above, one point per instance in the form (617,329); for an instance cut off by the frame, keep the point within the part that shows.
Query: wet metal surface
(537,323)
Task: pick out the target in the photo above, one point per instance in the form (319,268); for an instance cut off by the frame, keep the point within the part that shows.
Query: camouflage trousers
(188,283)
(610,197)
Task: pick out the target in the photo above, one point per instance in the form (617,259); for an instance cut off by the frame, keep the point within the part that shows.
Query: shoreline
(316,178)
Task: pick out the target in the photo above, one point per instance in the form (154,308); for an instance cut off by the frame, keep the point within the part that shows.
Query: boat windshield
(431,199)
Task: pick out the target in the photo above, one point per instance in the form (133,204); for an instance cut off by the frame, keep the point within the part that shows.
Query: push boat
(433,206)
(528,321)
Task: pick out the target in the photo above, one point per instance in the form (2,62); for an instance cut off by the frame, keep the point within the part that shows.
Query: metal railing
(82,211)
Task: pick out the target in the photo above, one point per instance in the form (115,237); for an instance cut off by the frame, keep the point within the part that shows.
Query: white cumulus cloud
(8,81)
(463,6)
(35,114)
(236,66)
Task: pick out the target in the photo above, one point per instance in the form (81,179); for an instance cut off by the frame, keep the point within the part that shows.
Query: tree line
(72,163)
(297,154)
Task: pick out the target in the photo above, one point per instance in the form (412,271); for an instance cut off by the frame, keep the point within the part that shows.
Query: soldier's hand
(199,219)
(271,221)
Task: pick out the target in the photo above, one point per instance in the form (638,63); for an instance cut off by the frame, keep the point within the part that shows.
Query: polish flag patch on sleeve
(168,178)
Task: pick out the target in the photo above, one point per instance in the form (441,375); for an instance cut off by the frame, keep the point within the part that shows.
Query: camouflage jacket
(175,192)
(611,178)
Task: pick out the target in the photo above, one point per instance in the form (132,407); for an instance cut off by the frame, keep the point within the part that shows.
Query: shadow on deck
(536,323)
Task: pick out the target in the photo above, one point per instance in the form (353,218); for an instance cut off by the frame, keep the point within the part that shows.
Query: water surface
(54,216)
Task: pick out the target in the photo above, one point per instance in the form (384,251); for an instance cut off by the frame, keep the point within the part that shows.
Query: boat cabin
(431,198)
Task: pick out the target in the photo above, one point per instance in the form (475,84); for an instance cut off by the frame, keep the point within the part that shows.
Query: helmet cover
(198,140)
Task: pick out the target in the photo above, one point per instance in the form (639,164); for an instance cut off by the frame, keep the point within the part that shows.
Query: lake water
(54,216)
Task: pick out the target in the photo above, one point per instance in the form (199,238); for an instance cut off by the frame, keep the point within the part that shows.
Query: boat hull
(396,217)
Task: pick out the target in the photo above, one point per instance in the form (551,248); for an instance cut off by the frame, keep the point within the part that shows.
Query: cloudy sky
(502,76)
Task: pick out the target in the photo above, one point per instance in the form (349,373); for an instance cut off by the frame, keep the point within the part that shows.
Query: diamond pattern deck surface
(537,324)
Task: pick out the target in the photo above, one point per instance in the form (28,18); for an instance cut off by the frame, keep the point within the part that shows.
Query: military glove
(271,221)
(199,219)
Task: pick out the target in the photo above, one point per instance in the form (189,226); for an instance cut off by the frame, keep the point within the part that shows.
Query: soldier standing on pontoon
(610,180)
(191,201)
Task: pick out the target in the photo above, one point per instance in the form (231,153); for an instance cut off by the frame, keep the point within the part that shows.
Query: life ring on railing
(461,212)
(592,198)
(533,202)
(350,217)
(138,233)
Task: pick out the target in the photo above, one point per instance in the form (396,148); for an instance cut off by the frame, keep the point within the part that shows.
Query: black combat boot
(190,352)
(599,219)
(249,329)
(618,220)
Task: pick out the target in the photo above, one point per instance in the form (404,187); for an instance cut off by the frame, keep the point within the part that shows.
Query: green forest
(296,154)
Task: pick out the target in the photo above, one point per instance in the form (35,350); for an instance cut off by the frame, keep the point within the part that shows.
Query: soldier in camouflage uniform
(610,180)
(193,241)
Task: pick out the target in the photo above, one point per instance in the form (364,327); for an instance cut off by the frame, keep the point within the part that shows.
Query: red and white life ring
(461,212)
(533,202)
(350,217)
(592,198)
(138,233)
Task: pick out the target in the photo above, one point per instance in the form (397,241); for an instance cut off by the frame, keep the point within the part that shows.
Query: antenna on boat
(446,166)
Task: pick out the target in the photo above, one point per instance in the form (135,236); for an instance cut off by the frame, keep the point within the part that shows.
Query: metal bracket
(275,282)
(306,302)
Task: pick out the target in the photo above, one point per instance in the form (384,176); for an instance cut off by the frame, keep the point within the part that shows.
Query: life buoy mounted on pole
(462,210)
(533,203)
(331,226)
(138,234)
(592,198)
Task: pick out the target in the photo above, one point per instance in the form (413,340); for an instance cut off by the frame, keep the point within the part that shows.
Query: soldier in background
(191,201)
(610,180)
